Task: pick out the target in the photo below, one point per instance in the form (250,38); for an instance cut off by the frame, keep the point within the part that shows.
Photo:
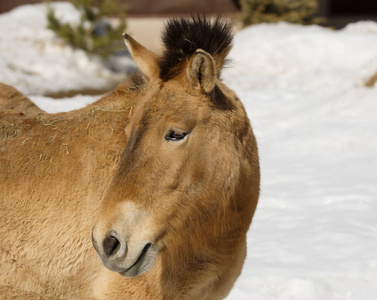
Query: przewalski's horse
(162,174)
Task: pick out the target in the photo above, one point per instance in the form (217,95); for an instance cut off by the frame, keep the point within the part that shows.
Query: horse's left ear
(201,71)
(146,60)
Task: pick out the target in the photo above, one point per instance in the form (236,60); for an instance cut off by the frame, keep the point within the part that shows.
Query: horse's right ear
(201,71)
(146,60)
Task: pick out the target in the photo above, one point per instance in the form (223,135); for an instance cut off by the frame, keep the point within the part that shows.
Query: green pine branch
(269,11)
(94,33)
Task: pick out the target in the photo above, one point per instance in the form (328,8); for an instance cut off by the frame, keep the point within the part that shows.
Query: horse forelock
(182,37)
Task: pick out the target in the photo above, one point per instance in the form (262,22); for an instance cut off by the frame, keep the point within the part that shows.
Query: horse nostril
(111,245)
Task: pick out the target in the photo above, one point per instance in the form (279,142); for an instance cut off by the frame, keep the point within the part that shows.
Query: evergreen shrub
(94,33)
(270,11)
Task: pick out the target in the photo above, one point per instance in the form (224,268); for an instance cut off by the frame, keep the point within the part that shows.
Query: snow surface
(314,235)
(34,60)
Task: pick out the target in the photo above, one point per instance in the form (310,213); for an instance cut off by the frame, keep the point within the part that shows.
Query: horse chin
(143,263)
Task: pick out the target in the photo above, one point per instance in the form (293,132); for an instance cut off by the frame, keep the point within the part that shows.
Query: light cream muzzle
(127,245)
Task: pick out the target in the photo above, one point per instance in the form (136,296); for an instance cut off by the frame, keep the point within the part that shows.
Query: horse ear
(146,60)
(201,71)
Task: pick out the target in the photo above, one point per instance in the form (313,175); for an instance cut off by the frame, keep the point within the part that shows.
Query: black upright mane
(182,37)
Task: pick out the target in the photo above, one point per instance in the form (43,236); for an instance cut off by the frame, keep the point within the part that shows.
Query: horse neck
(77,147)
(204,270)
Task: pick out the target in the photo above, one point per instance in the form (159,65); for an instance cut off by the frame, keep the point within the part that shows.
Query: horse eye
(175,136)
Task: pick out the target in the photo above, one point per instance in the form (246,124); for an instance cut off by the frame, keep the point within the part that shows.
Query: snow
(314,235)
(34,60)
(63,104)
(314,232)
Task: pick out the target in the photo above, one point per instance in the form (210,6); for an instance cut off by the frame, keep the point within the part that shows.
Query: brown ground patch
(72,93)
(371,82)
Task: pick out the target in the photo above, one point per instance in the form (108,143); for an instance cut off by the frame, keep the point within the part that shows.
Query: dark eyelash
(175,136)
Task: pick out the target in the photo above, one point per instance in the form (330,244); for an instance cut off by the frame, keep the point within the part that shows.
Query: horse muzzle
(129,259)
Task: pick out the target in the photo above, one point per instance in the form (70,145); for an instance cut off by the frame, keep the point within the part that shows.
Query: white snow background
(36,62)
(314,235)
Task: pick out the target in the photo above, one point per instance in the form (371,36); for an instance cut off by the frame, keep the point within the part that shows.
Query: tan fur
(13,101)
(62,174)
